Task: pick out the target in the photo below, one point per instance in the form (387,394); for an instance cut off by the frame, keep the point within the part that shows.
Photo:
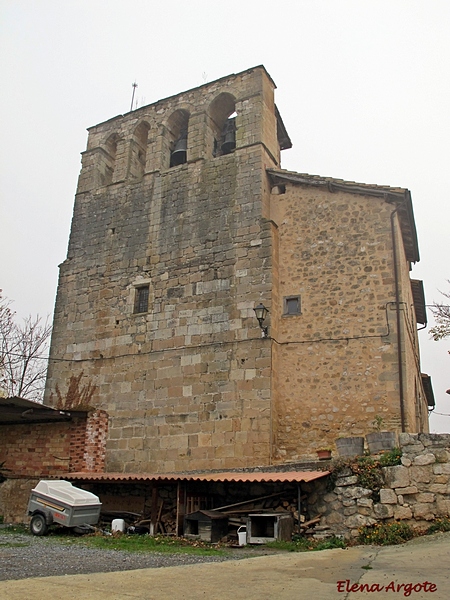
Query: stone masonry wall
(186,384)
(336,362)
(416,492)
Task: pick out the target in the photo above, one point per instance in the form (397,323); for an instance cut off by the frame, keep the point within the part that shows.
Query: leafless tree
(23,354)
(441,314)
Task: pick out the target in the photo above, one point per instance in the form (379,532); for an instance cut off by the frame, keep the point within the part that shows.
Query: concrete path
(417,570)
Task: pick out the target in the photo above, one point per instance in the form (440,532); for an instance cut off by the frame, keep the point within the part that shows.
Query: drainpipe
(399,334)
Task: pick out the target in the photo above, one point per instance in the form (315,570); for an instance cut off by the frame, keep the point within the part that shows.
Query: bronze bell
(229,137)
(179,153)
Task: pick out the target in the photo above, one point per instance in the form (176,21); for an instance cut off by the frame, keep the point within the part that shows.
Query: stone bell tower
(170,250)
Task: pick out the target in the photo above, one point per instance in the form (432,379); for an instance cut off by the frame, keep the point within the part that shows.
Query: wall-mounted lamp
(261,313)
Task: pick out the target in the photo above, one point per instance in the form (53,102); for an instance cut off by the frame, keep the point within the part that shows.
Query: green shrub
(19,528)
(146,543)
(332,542)
(391,458)
(368,470)
(384,534)
(303,544)
(442,524)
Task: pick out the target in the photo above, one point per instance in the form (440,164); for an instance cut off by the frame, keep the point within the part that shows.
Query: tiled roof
(268,477)
(400,197)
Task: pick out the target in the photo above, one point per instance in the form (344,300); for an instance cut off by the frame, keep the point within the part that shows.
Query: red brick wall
(77,445)
(95,442)
(36,449)
(53,449)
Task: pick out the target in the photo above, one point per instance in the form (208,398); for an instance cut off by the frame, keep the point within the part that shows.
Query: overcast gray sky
(363,89)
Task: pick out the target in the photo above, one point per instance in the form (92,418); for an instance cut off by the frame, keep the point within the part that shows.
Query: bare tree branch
(441,314)
(23,354)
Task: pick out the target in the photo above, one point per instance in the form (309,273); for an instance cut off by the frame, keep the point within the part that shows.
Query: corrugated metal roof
(266,477)
(16,410)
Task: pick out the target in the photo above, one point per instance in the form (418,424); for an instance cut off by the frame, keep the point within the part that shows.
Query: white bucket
(242,535)
(118,525)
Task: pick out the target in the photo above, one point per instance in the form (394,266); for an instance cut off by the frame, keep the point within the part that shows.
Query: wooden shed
(208,525)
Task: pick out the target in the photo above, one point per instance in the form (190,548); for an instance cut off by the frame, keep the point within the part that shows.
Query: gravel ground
(24,555)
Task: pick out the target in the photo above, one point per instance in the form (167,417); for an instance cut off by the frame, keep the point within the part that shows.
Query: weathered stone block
(356,492)
(407,438)
(441,469)
(442,456)
(402,512)
(421,474)
(330,497)
(411,489)
(348,502)
(334,518)
(383,511)
(442,506)
(397,476)
(343,481)
(425,497)
(359,521)
(350,510)
(424,459)
(438,488)
(366,502)
(388,496)
(436,440)
(423,511)
(441,478)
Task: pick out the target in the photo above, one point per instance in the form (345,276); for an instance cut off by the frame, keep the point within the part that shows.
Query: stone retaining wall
(417,491)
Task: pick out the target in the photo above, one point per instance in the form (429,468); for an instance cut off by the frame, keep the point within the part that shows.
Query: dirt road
(417,570)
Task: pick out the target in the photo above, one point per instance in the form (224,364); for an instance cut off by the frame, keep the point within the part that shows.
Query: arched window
(222,114)
(177,137)
(138,150)
(108,162)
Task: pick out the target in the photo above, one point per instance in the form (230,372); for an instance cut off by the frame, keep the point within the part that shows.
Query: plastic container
(242,535)
(118,525)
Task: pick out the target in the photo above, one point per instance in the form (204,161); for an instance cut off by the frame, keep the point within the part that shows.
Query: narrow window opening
(141,299)
(138,151)
(291,305)
(176,139)
(108,163)
(222,122)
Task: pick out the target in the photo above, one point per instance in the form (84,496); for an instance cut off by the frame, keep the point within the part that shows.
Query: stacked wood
(164,512)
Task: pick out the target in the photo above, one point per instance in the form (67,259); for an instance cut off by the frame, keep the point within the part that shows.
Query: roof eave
(400,197)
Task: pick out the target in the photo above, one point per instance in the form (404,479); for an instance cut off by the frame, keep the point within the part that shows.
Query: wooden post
(181,507)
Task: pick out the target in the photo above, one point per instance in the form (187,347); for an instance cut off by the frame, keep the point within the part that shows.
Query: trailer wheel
(38,526)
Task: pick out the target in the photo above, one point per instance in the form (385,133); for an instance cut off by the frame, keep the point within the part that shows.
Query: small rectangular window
(291,305)
(141,299)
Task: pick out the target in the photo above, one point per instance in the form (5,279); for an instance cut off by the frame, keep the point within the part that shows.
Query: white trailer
(58,501)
